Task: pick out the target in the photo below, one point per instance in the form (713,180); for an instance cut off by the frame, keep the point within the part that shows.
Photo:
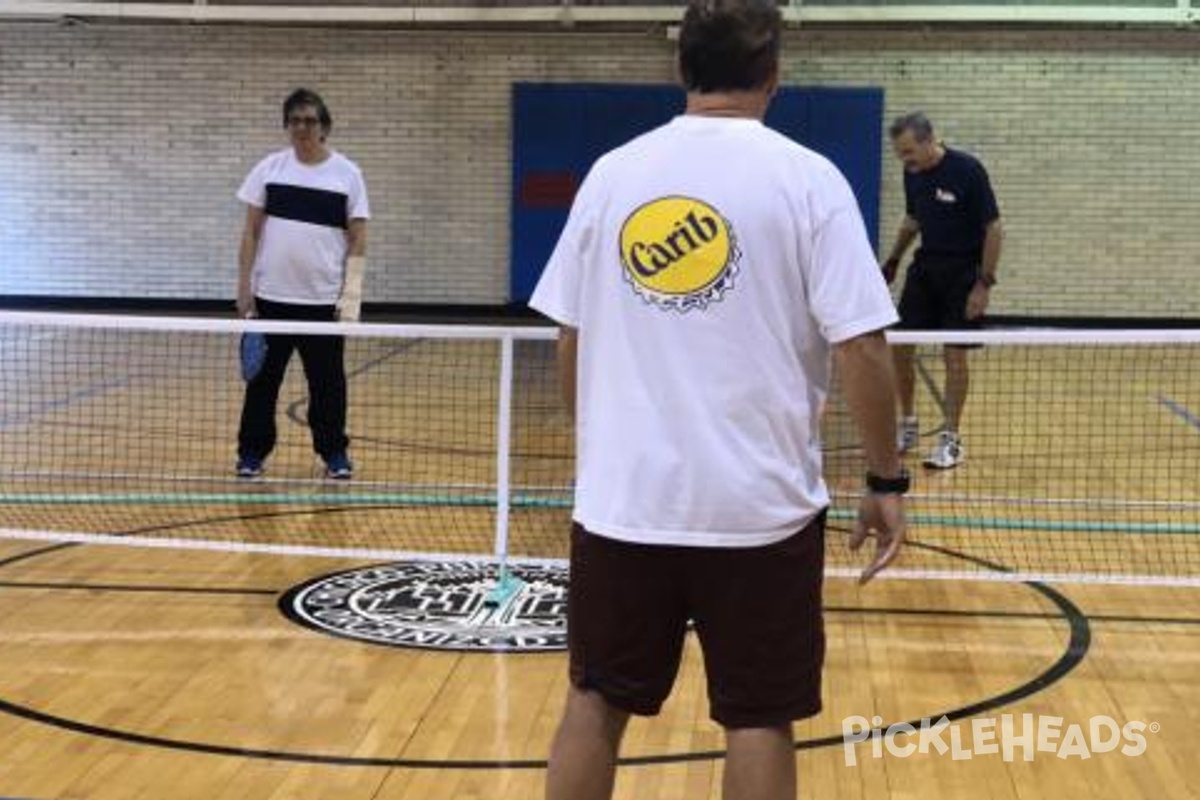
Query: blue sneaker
(339,467)
(249,467)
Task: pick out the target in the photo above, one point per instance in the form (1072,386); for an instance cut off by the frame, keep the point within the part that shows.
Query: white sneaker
(908,432)
(947,452)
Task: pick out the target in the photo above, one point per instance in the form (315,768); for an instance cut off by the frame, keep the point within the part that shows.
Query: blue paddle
(253,354)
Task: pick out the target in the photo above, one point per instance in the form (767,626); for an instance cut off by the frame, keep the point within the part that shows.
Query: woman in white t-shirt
(302,257)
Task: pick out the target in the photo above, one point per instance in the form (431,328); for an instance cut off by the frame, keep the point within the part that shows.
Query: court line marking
(95,389)
(1076,650)
(209,545)
(265,481)
(891,611)
(293,408)
(1180,410)
(137,589)
(526,501)
(537,490)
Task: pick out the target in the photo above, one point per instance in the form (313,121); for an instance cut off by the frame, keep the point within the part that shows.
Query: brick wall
(1086,135)
(121,148)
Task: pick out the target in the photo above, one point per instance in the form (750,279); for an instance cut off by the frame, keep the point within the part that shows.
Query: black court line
(134,588)
(861,610)
(1113,618)
(444,450)
(931,385)
(979,614)
(293,409)
(1181,411)
(1014,615)
(93,389)
(41,551)
(380,443)
(1074,653)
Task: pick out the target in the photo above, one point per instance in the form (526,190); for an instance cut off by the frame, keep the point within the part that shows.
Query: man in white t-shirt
(706,274)
(302,257)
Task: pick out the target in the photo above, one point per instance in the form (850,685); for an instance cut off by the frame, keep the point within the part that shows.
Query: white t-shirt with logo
(708,265)
(302,253)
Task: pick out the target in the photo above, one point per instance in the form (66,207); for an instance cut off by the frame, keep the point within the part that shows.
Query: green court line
(1053,525)
(525,501)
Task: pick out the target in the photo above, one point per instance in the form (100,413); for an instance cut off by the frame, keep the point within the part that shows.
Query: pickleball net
(1082,448)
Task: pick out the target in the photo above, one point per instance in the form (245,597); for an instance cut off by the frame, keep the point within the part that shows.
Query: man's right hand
(245,304)
(880,515)
(890,268)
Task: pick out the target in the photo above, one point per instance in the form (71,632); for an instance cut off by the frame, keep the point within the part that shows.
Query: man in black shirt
(949,202)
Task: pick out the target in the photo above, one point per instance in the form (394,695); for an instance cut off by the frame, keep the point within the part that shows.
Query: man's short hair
(917,122)
(302,98)
(729,45)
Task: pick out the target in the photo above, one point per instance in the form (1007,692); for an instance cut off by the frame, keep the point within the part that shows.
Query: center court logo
(436,605)
(1008,736)
(679,253)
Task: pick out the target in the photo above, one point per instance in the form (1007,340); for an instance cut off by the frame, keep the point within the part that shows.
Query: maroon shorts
(756,611)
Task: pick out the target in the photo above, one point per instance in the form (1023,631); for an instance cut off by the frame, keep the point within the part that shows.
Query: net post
(507,585)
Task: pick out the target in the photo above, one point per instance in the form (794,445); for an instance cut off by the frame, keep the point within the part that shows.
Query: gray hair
(917,122)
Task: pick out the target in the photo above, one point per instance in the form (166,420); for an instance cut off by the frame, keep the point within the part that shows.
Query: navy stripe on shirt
(305,204)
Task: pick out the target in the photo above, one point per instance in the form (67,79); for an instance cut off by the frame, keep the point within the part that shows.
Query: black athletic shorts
(756,611)
(935,294)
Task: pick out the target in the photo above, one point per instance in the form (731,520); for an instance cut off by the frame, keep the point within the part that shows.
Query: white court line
(210,545)
(382,554)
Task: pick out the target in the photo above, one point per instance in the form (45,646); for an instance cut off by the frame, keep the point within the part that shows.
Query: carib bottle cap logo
(679,253)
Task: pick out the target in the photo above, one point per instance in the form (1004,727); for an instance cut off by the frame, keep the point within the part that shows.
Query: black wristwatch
(987,280)
(898,485)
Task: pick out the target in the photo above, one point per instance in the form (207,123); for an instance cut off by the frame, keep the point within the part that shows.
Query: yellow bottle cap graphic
(679,253)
